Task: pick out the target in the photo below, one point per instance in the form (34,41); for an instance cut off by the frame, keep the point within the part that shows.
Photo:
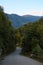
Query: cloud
(36,13)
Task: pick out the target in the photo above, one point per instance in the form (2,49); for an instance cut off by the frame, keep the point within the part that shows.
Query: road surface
(16,59)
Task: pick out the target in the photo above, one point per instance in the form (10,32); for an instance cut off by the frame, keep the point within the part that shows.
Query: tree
(33,38)
(7,34)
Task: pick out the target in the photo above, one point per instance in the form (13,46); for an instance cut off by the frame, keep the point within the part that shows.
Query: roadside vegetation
(29,37)
(7,35)
(32,43)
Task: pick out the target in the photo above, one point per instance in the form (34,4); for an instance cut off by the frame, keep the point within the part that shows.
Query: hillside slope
(18,21)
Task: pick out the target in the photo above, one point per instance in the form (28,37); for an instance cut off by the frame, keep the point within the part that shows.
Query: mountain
(18,21)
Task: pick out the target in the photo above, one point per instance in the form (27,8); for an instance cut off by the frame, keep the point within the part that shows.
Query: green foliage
(30,37)
(32,42)
(37,50)
(7,34)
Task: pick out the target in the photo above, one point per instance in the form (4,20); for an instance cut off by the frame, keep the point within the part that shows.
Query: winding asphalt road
(16,59)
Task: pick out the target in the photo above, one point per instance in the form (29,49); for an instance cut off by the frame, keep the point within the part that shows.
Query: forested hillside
(32,39)
(29,37)
(7,35)
(18,21)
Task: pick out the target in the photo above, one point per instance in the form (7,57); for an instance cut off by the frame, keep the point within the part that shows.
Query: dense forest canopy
(7,34)
(32,42)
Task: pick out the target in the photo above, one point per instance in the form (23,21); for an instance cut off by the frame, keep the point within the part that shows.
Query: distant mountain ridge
(18,21)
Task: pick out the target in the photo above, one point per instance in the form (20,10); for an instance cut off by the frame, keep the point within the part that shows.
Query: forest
(29,37)
(7,35)
(32,39)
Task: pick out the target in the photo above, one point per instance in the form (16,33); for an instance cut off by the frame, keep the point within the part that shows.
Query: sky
(23,7)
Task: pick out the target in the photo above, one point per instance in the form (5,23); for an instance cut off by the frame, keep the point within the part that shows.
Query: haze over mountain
(18,21)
